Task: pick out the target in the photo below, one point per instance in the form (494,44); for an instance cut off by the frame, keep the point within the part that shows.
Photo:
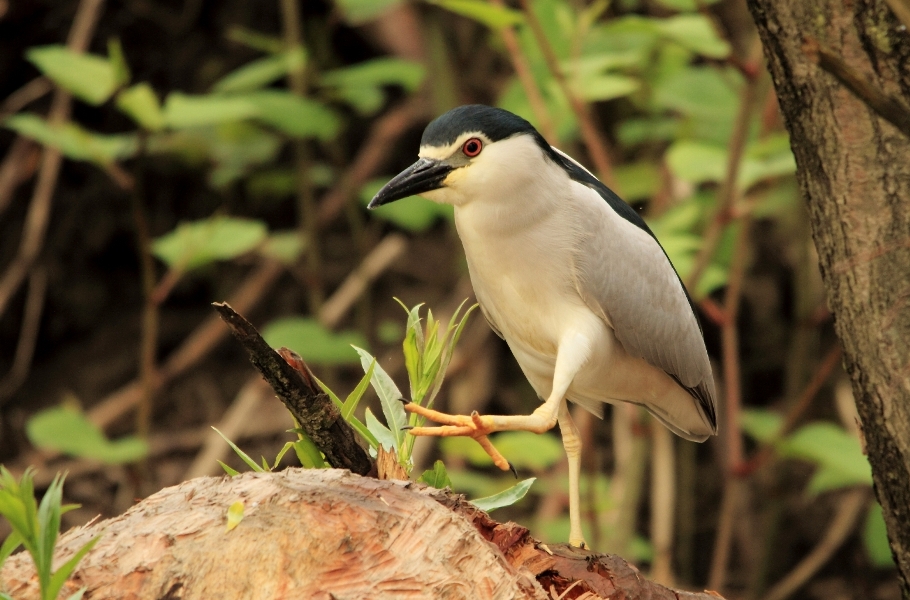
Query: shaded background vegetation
(226,151)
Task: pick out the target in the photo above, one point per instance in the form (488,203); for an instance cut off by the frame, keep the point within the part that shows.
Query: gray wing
(623,274)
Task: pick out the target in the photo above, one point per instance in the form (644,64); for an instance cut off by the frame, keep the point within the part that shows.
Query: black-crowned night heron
(569,276)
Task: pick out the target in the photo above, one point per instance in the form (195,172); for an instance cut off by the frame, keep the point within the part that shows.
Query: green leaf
(389,398)
(358,12)
(118,62)
(234,514)
(685,5)
(284,246)
(293,115)
(707,96)
(307,453)
(875,538)
(697,162)
(831,447)
(198,243)
(67,430)
(243,455)
(506,498)
(12,541)
(255,39)
(495,17)
(696,33)
(88,77)
(382,434)
(353,399)
(523,449)
(141,104)
(312,341)
(377,72)
(261,72)
(229,470)
(182,110)
(602,87)
(410,213)
(763,425)
(638,180)
(67,568)
(436,477)
(74,141)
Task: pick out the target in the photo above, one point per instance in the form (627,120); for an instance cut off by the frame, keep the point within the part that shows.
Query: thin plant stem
(526,78)
(597,147)
(306,197)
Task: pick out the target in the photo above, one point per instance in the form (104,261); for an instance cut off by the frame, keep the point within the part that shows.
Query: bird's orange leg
(459,425)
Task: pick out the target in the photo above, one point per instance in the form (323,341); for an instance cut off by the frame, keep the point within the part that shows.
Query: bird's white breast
(520,257)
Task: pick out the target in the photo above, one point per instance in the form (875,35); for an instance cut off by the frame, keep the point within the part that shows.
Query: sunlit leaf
(68,430)
(831,447)
(118,62)
(389,398)
(256,39)
(381,433)
(74,141)
(875,538)
(638,180)
(506,498)
(763,425)
(243,455)
(376,72)
(606,87)
(696,33)
(295,116)
(685,5)
(411,213)
(86,76)
(182,110)
(234,514)
(312,341)
(697,162)
(488,14)
(708,96)
(436,477)
(284,246)
(192,245)
(261,72)
(141,104)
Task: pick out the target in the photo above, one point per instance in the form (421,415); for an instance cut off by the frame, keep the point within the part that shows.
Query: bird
(570,276)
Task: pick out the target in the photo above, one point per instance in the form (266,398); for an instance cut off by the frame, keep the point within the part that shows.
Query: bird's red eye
(472,147)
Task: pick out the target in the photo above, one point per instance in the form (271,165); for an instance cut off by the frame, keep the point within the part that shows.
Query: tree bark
(853,167)
(323,534)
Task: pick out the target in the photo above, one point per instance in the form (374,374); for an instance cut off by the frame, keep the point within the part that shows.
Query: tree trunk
(325,533)
(853,168)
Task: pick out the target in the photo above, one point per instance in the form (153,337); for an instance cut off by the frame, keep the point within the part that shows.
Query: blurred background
(159,155)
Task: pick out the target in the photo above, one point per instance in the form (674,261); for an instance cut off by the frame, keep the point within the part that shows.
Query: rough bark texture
(854,172)
(294,384)
(325,533)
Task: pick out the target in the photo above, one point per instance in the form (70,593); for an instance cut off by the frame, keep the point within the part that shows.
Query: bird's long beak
(425,175)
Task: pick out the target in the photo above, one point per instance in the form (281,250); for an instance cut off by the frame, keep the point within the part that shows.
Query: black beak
(423,176)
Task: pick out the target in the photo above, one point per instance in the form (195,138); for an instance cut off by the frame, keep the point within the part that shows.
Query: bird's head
(466,153)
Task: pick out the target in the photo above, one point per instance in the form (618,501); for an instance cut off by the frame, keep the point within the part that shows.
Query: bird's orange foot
(473,426)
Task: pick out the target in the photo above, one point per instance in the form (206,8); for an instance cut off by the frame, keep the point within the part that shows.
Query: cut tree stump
(324,533)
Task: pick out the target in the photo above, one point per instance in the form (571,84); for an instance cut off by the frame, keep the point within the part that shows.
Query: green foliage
(36,527)
(875,538)
(358,12)
(66,429)
(312,341)
(490,15)
(524,449)
(837,454)
(140,103)
(261,72)
(360,85)
(436,477)
(196,244)
(74,141)
(504,498)
(87,77)
(411,213)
